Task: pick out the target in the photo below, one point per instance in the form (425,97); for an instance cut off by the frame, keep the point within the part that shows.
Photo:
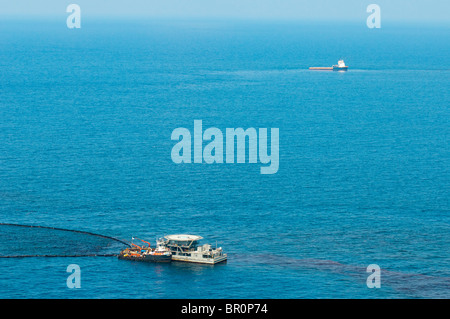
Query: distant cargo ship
(339,67)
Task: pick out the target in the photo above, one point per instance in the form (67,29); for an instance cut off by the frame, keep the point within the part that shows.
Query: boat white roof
(183,237)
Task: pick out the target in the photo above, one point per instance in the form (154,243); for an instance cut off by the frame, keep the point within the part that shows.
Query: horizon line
(140,17)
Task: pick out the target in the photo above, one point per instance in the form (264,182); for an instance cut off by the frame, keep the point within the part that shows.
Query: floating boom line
(87,254)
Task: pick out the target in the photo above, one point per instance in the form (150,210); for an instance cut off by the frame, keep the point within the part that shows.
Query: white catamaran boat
(187,248)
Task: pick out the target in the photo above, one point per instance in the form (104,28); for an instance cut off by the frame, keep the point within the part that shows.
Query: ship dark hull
(331,68)
(337,68)
(148,258)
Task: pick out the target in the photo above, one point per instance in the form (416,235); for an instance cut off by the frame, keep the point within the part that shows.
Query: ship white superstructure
(187,248)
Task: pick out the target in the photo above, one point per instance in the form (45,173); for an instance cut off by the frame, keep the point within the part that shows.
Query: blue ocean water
(85,123)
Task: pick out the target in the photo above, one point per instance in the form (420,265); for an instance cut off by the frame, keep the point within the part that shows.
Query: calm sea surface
(86,118)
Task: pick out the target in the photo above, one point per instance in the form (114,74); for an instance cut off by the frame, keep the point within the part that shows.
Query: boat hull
(321,68)
(332,68)
(210,261)
(340,68)
(148,258)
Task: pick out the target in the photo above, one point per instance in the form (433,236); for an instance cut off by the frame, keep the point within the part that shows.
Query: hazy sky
(354,10)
